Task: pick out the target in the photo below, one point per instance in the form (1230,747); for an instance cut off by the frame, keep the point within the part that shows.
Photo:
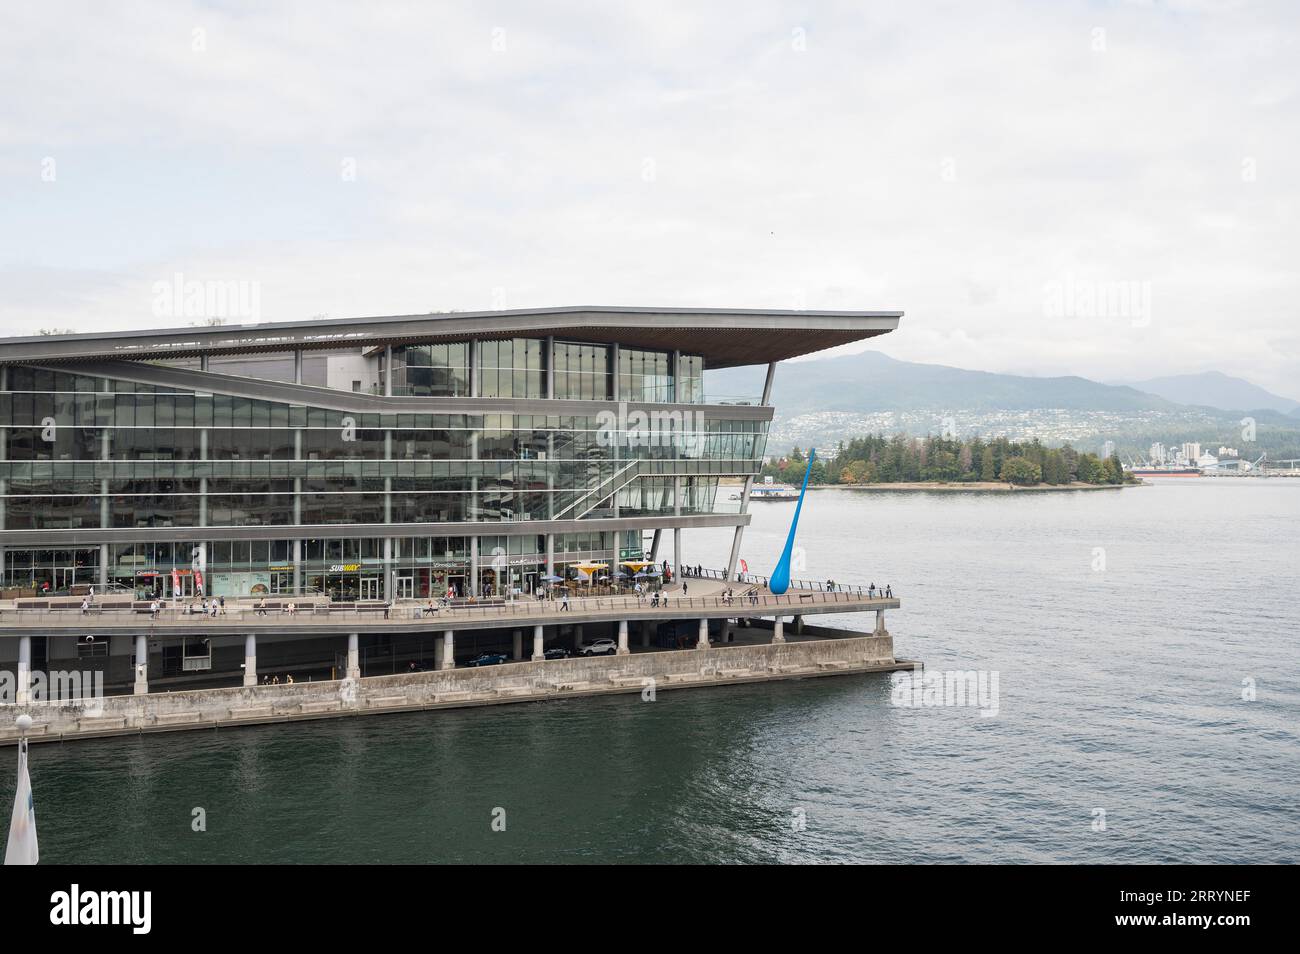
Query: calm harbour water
(1120,689)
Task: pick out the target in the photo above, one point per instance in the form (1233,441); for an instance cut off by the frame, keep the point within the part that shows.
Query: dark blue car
(488,659)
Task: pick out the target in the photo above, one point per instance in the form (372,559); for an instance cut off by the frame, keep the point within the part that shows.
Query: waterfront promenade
(225,669)
(706,598)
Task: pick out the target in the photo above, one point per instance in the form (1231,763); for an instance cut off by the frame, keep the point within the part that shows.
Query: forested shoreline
(877,459)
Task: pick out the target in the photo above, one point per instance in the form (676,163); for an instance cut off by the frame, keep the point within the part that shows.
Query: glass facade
(581,371)
(512,368)
(645,376)
(85,452)
(431,370)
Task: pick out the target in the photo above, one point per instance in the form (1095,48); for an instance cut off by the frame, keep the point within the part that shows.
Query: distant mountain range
(1216,389)
(826,400)
(873,381)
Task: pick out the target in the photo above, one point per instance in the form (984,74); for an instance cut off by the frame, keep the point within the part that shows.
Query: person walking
(222,601)
(564,600)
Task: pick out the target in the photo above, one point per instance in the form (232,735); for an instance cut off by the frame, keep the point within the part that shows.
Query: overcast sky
(993,169)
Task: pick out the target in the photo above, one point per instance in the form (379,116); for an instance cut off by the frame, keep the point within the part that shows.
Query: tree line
(877,459)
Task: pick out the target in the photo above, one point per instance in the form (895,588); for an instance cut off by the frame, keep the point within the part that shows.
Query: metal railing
(754,579)
(751,599)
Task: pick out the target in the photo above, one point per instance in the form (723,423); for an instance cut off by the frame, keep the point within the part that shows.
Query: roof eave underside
(726,338)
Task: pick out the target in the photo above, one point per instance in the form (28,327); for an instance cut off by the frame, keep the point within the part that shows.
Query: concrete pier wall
(512,682)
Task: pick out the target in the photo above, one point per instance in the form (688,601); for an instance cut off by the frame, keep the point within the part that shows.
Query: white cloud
(948,160)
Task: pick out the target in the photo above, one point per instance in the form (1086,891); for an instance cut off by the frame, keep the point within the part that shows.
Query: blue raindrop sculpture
(780,579)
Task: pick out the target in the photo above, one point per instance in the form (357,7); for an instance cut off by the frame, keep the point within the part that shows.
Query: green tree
(1021,471)
(988,471)
(1091,470)
(1114,470)
(942,466)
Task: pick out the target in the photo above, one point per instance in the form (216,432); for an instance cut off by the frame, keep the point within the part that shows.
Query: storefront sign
(241,584)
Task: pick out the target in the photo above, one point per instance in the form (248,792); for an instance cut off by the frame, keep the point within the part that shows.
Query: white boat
(773,492)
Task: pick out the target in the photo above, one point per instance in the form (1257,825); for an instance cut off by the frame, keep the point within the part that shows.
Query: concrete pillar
(390,574)
(704,635)
(677,554)
(141,665)
(437,652)
(354,656)
(448,650)
(517,644)
(646,626)
(21,694)
(798,625)
(538,650)
(622,638)
(734,557)
(778,630)
(250,660)
(767,382)
(577,636)
(550,368)
(880,624)
(297,366)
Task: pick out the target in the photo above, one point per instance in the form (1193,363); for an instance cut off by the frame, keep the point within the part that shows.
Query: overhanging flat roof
(727,337)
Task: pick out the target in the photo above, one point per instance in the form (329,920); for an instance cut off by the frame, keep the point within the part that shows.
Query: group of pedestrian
(886,591)
(211,608)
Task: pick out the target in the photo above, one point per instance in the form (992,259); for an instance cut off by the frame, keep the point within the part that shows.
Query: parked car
(556,652)
(488,659)
(600,647)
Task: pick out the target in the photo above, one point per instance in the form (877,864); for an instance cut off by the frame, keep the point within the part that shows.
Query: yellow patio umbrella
(637,565)
(590,568)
